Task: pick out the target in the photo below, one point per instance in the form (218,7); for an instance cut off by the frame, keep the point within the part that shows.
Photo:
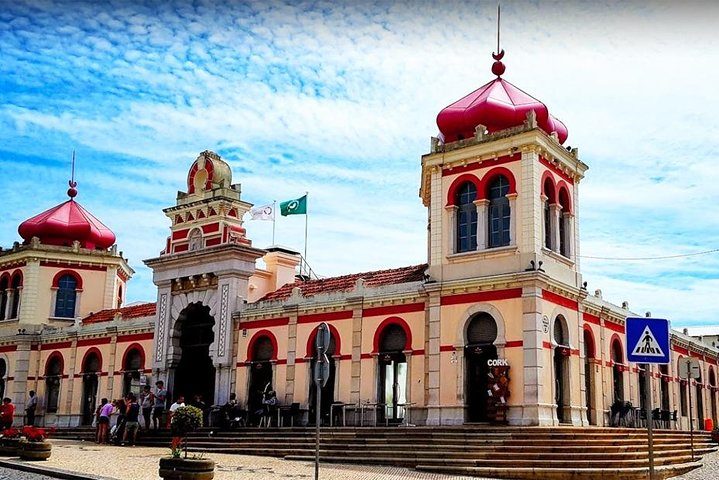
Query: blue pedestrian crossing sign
(648,340)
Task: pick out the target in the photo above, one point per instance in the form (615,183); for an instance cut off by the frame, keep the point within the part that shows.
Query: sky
(340,99)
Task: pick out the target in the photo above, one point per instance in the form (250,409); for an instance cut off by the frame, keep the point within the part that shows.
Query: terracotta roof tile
(345,283)
(132,311)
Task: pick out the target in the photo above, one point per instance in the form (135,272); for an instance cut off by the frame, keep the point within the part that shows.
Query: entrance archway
(53,374)
(91,367)
(3,372)
(664,386)
(262,351)
(195,373)
(617,371)
(328,391)
(561,368)
(700,402)
(479,349)
(132,365)
(644,374)
(589,355)
(392,362)
(712,392)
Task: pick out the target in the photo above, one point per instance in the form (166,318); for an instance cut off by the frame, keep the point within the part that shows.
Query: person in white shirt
(180,402)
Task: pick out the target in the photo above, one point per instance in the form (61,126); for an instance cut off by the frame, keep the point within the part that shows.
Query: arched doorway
(664,386)
(132,366)
(262,352)
(53,374)
(700,402)
(561,368)
(589,355)
(479,349)
(91,367)
(644,373)
(195,373)
(392,372)
(328,391)
(712,392)
(617,371)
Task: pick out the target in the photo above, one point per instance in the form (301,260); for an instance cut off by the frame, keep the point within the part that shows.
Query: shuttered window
(499,213)
(466,218)
(482,330)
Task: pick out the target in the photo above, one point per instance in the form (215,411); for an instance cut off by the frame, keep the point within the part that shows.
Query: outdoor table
(343,406)
(373,406)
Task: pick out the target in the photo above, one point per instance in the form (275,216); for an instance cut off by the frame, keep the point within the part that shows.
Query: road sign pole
(320,375)
(318,385)
(650,420)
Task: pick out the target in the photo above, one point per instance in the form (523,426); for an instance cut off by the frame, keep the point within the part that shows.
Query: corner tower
(500,187)
(202,277)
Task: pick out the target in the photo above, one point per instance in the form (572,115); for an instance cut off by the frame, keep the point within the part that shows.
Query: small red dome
(497,105)
(65,223)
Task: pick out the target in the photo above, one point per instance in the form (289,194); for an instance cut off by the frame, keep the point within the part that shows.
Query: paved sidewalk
(709,470)
(141,463)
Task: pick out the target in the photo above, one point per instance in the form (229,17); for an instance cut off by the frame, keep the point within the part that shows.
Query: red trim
(210,242)
(458,182)
(180,234)
(614,326)
(232,213)
(418,352)
(62,362)
(87,354)
(481,296)
(696,355)
(211,227)
(257,336)
(386,323)
(54,264)
(491,175)
(55,346)
(270,322)
(680,350)
(483,164)
(5,279)
(554,169)
(324,317)
(201,214)
(393,310)
(191,177)
(178,219)
(62,273)
(15,265)
(592,352)
(134,346)
(181,248)
(514,343)
(8,348)
(551,196)
(564,197)
(546,344)
(560,300)
(589,318)
(135,337)
(446,348)
(93,341)
(313,334)
(15,274)
(365,356)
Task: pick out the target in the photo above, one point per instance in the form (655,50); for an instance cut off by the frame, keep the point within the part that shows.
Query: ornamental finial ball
(498,68)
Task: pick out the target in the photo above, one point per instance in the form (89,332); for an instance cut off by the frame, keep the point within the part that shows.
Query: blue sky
(340,99)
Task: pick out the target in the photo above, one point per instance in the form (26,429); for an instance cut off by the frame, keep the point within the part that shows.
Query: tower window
(16,286)
(3,297)
(466,218)
(66,297)
(499,213)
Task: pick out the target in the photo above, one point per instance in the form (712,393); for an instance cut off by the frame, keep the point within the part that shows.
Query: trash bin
(708,424)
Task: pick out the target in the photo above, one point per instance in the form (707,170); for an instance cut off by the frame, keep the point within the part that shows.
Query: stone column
(536,409)
(568,234)
(482,224)
(512,197)
(163,325)
(432,355)
(356,368)
(452,230)
(8,303)
(20,374)
(31,311)
(112,366)
(291,356)
(435,218)
(554,214)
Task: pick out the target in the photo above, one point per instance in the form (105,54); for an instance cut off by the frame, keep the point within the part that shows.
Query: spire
(498,67)
(72,191)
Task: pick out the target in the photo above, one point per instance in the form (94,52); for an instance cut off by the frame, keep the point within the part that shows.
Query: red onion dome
(497,105)
(65,223)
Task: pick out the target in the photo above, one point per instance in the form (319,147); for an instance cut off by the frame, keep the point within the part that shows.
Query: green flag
(297,206)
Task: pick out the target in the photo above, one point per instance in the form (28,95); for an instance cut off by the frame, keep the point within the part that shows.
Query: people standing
(7,413)
(160,398)
(180,402)
(147,399)
(104,421)
(30,409)
(132,420)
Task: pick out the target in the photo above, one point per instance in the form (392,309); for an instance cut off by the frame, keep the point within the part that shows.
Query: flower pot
(9,447)
(34,451)
(186,469)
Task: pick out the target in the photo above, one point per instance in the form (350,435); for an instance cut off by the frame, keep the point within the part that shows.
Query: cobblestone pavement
(8,474)
(709,470)
(141,463)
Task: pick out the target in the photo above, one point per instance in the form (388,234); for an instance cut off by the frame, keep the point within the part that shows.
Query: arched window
(66,297)
(53,374)
(549,192)
(394,339)
(481,330)
(499,214)
(195,239)
(617,371)
(263,350)
(16,287)
(466,217)
(564,230)
(119,296)
(560,332)
(132,366)
(4,283)
(682,393)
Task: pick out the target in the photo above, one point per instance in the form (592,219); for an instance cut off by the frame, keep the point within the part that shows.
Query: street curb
(49,471)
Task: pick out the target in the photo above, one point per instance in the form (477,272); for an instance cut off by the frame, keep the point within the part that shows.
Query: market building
(496,325)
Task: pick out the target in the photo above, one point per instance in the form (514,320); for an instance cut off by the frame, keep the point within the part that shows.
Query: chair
(666,417)
(656,418)
(292,412)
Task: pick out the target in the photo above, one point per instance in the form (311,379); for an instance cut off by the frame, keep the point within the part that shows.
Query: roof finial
(498,67)
(72,191)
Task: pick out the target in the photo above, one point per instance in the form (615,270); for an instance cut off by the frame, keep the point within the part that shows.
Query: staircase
(497,452)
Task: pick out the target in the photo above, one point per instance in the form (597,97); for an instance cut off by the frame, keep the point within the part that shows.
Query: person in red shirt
(7,413)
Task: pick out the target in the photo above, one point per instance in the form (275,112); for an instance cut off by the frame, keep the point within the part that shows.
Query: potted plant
(34,445)
(178,466)
(9,442)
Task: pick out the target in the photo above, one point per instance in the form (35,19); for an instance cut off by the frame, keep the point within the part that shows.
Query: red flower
(10,433)
(34,434)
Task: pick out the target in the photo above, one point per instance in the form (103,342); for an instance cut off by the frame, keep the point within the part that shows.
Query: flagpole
(274,216)
(306,217)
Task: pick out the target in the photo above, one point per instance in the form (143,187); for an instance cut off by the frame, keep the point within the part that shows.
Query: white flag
(263,212)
